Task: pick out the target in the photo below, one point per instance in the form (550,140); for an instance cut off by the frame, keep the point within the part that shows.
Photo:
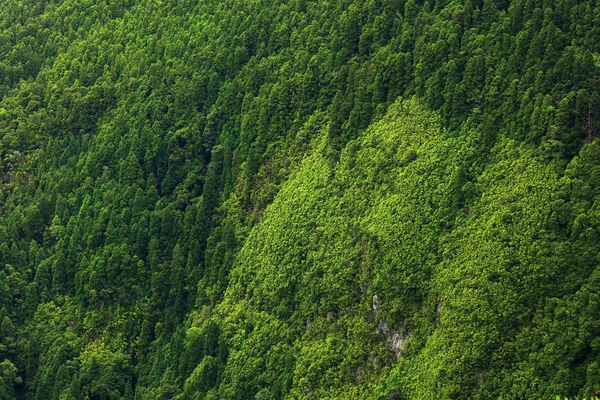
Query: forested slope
(299,199)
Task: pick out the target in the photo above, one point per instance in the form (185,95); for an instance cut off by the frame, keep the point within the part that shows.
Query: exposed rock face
(438,305)
(396,338)
(382,327)
(375,304)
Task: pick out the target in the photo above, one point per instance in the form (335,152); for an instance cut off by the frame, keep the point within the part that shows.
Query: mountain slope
(249,199)
(389,273)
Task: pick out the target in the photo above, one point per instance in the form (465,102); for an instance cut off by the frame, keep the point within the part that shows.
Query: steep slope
(342,261)
(390,274)
(444,248)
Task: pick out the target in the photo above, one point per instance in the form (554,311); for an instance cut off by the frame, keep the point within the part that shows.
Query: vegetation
(299,199)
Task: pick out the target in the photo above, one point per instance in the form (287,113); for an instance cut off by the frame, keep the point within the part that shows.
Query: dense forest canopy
(249,199)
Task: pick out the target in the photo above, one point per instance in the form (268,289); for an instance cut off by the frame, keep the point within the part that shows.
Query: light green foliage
(104,373)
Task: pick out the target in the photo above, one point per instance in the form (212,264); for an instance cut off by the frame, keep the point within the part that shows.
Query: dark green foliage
(299,199)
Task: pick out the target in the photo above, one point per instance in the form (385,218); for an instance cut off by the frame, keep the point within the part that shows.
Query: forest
(299,199)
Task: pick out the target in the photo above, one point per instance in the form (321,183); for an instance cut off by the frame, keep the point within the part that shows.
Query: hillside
(303,199)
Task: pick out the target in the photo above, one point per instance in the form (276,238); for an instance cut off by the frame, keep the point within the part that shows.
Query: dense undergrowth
(299,199)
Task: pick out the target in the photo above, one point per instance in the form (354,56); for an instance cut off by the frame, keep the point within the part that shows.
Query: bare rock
(375,304)
(397,340)
(438,305)
(382,327)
